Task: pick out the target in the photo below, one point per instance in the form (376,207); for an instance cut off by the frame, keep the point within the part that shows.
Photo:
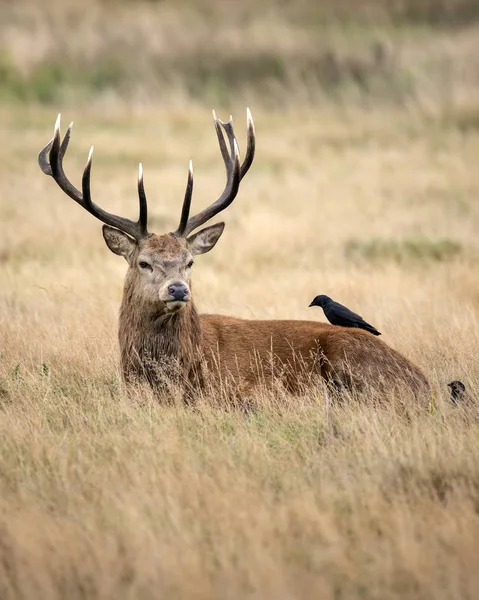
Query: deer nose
(179,291)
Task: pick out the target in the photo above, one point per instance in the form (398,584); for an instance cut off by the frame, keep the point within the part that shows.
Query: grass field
(370,200)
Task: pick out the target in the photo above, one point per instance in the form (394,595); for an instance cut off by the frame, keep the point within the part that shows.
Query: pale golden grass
(105,496)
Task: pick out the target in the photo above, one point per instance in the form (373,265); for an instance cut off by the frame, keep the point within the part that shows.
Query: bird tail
(372,329)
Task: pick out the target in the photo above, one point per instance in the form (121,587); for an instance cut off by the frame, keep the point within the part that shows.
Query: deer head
(159,265)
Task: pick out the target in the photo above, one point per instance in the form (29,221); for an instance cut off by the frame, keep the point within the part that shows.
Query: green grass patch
(408,251)
(51,82)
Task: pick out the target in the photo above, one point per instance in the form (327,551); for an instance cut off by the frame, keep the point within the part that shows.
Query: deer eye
(145,265)
(190,264)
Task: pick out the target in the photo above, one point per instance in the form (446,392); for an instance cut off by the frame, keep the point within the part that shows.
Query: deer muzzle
(179,292)
(178,296)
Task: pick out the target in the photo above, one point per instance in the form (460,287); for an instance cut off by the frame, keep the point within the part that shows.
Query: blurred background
(277,53)
(364,185)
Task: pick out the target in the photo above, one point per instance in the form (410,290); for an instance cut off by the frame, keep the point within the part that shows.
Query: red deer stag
(159,325)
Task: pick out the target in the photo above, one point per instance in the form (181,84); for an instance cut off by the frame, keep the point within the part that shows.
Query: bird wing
(346,315)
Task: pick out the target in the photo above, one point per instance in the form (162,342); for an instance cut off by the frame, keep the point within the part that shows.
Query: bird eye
(190,264)
(145,265)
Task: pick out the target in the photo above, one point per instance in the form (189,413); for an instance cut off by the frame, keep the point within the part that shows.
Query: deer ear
(205,240)
(118,242)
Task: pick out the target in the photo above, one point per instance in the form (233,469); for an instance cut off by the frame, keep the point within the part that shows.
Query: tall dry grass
(374,203)
(103,496)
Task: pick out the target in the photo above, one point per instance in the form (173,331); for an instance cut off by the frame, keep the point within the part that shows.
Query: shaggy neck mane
(154,343)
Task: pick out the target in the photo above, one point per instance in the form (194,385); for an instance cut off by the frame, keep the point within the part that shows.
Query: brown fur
(160,345)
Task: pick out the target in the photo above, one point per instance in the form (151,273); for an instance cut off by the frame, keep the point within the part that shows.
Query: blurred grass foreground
(281,52)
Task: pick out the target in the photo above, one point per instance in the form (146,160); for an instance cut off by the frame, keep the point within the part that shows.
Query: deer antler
(234,174)
(50,160)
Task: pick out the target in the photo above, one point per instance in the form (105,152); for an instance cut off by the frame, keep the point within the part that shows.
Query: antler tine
(85,183)
(143,218)
(185,211)
(250,144)
(234,172)
(50,160)
(43,160)
(221,140)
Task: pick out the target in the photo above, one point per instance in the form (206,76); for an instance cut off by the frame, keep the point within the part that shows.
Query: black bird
(458,392)
(337,314)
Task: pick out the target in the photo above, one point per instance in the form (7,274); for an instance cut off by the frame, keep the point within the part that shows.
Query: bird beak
(312,304)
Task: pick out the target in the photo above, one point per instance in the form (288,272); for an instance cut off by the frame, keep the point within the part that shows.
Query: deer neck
(153,341)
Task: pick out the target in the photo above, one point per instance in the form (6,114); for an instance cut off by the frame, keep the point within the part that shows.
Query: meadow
(364,187)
